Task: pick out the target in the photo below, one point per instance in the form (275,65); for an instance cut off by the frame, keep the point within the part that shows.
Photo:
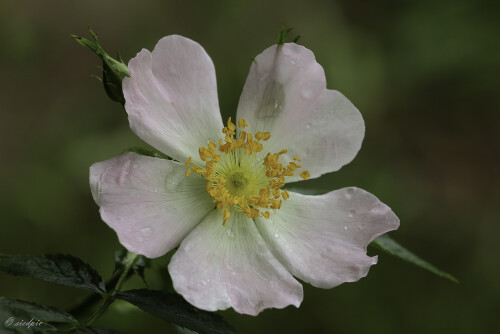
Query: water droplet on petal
(135,166)
(292,61)
(349,192)
(311,90)
(275,104)
(145,231)
(380,210)
(345,228)
(172,70)
(308,126)
(276,235)
(123,177)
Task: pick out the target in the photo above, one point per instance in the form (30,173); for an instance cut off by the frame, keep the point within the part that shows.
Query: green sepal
(140,264)
(296,39)
(113,71)
(283,34)
(390,246)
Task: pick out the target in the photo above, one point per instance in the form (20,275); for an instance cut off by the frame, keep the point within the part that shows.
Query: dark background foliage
(424,74)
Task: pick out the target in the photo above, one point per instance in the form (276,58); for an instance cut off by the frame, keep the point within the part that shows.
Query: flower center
(238,183)
(241,176)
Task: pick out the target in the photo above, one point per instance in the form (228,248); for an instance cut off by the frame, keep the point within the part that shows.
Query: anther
(242,123)
(305,174)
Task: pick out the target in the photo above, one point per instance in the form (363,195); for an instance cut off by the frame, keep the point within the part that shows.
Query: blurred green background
(424,74)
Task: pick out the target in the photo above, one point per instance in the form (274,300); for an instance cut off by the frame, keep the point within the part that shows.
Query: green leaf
(90,330)
(173,308)
(55,268)
(390,246)
(113,70)
(18,316)
(147,152)
(140,263)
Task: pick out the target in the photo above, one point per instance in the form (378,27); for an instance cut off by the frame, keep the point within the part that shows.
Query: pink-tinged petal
(218,267)
(284,82)
(322,239)
(330,140)
(149,202)
(285,93)
(171,97)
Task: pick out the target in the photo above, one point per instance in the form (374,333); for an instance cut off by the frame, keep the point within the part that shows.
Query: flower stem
(129,264)
(101,310)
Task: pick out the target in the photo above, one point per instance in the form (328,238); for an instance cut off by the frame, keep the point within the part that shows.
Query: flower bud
(113,71)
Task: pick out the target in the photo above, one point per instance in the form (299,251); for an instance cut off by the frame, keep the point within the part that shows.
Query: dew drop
(380,210)
(156,190)
(275,104)
(172,70)
(308,126)
(135,166)
(345,228)
(352,213)
(204,282)
(349,192)
(292,61)
(145,231)
(124,174)
(310,90)
(276,235)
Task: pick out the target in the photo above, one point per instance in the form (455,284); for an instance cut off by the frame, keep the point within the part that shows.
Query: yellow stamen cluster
(238,176)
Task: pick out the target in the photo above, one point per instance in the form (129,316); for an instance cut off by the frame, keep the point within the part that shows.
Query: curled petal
(322,239)
(218,267)
(149,202)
